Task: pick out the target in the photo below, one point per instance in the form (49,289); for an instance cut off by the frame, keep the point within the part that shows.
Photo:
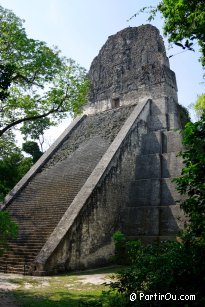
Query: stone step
(15,269)
(11,256)
(17,261)
(23,246)
(27,242)
(21,251)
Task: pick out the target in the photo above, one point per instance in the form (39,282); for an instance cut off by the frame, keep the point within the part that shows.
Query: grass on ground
(65,290)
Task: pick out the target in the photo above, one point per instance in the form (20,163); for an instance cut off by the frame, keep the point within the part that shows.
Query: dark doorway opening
(115,103)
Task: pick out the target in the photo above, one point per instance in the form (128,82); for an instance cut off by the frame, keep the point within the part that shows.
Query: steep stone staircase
(40,207)
(41,204)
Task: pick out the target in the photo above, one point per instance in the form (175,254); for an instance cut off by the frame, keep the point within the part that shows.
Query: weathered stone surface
(104,125)
(142,221)
(172,141)
(130,60)
(145,192)
(116,70)
(148,166)
(169,194)
(171,165)
(171,220)
(151,143)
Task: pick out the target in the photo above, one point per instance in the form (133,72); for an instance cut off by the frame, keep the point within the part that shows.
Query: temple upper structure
(131,66)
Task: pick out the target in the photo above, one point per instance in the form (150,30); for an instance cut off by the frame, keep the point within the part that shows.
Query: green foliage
(107,299)
(118,237)
(35,129)
(120,247)
(32,148)
(90,303)
(7,144)
(191,182)
(124,249)
(35,81)
(199,106)
(184,22)
(8,230)
(13,165)
(12,170)
(167,267)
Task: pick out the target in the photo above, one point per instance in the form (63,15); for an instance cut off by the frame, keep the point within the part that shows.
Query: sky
(80,28)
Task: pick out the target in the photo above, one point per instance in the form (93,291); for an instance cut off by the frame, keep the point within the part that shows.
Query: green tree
(184,22)
(13,165)
(199,106)
(38,88)
(35,81)
(32,148)
(34,130)
(192,180)
(8,230)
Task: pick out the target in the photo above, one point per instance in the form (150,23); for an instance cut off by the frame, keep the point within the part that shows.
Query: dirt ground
(6,300)
(6,285)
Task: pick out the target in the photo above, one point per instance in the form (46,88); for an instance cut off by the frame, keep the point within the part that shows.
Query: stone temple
(110,170)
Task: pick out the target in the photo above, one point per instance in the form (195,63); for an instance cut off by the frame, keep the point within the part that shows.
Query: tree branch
(28,81)
(21,120)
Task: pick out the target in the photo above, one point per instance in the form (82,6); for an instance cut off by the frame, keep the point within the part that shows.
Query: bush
(8,230)
(120,248)
(107,299)
(165,267)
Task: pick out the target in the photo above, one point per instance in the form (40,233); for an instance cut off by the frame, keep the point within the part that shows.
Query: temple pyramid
(110,170)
